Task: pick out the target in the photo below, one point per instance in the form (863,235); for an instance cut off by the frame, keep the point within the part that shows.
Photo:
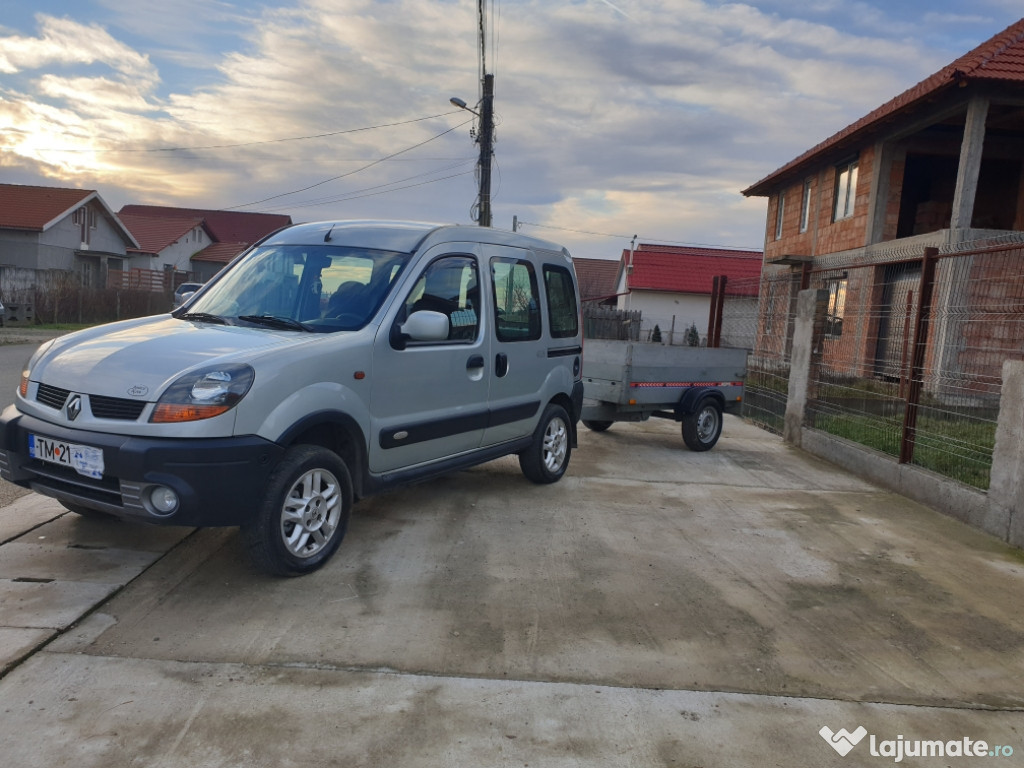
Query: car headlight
(203,394)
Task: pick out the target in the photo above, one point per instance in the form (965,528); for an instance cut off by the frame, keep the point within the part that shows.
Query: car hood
(138,359)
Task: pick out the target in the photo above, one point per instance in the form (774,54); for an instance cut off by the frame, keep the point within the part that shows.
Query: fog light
(163,499)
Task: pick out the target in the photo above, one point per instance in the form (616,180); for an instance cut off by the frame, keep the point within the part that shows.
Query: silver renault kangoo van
(329,362)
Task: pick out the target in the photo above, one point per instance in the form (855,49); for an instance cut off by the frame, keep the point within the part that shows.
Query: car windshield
(320,288)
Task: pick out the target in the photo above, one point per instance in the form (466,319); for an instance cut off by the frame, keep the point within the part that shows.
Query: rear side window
(563,316)
(516,300)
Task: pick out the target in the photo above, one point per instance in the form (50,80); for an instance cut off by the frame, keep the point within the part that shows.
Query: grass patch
(960,449)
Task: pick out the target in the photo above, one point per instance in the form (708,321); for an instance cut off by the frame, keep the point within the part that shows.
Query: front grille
(54,397)
(115,408)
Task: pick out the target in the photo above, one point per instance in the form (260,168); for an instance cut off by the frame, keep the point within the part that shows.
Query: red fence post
(713,314)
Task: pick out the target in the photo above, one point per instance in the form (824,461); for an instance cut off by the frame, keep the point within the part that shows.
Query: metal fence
(59,296)
(909,354)
(764,325)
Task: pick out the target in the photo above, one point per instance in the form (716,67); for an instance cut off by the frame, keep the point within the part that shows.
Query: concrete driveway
(656,607)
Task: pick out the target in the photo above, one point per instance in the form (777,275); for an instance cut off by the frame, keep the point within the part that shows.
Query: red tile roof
(220,253)
(36,208)
(156,233)
(999,59)
(223,226)
(596,277)
(685,269)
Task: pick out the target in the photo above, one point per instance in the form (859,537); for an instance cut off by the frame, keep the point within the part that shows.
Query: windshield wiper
(203,317)
(275,321)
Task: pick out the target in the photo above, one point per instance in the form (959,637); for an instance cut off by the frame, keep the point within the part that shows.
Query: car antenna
(327,237)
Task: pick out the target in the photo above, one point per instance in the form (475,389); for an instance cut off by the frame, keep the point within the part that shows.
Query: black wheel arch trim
(357,460)
(692,398)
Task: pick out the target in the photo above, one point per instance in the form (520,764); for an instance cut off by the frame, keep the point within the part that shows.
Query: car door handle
(476,361)
(500,364)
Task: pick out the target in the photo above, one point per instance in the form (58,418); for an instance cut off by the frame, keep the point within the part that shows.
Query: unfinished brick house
(940,170)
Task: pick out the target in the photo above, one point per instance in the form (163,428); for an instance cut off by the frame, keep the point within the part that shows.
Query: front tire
(596,426)
(304,515)
(547,458)
(702,428)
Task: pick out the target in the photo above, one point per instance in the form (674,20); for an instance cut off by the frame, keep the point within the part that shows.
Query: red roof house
(198,240)
(224,226)
(596,278)
(939,166)
(671,285)
(942,159)
(53,228)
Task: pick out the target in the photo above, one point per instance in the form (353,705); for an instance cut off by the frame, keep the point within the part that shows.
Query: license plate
(84,459)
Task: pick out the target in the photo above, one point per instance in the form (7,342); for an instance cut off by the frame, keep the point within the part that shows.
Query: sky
(614,118)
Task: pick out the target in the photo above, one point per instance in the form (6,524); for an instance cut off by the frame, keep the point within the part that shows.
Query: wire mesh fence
(766,326)
(909,356)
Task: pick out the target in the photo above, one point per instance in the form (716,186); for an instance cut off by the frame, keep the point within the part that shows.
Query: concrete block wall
(999,512)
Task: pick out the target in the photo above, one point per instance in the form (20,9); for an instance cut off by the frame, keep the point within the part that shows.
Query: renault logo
(74,407)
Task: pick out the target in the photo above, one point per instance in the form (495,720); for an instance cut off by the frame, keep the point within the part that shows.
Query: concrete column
(807,306)
(1006,486)
(878,201)
(970,163)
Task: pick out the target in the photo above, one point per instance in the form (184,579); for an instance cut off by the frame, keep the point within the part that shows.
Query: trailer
(631,381)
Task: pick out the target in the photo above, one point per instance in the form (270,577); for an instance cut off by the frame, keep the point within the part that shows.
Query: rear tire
(547,458)
(304,515)
(702,428)
(597,426)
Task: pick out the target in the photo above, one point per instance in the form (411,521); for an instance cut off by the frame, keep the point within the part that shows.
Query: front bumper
(219,481)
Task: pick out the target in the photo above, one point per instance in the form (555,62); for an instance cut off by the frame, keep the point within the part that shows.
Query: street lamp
(462,105)
(486,141)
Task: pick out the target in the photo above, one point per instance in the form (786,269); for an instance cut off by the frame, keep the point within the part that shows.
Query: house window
(85,219)
(846,190)
(836,307)
(805,206)
(779,213)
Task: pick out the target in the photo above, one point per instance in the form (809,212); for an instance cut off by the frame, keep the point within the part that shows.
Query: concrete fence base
(999,512)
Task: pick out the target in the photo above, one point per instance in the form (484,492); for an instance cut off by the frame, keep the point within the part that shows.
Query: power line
(359,192)
(350,173)
(256,143)
(372,194)
(644,238)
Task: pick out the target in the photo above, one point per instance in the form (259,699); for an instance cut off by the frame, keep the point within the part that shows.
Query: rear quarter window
(563,314)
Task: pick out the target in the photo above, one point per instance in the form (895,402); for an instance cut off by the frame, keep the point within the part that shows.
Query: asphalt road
(656,607)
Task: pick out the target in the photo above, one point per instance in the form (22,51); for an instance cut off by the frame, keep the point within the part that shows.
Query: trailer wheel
(597,426)
(702,427)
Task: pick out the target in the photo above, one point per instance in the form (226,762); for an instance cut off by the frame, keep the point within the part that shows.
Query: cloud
(647,123)
(66,42)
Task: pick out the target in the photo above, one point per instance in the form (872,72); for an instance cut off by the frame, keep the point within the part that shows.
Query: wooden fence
(607,323)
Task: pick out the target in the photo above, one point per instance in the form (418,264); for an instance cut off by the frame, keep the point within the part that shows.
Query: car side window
(450,285)
(563,316)
(516,300)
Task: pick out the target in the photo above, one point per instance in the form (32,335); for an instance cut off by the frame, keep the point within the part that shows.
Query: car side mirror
(426,325)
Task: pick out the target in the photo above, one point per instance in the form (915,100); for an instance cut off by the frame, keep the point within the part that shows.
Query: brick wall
(824,236)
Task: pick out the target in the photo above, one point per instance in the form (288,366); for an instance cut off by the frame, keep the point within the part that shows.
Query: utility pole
(486,149)
(485,136)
